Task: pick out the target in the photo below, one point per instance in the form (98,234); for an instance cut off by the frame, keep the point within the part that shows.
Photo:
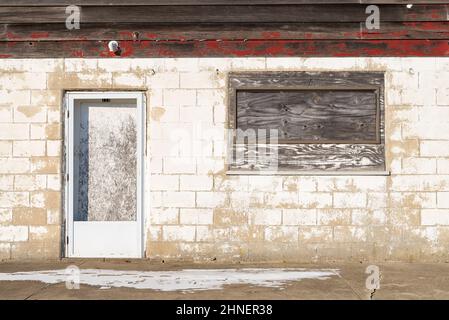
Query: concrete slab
(398,281)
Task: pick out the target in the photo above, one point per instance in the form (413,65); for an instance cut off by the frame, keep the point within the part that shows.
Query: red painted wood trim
(210,48)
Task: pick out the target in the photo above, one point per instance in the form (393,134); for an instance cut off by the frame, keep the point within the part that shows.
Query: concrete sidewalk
(398,281)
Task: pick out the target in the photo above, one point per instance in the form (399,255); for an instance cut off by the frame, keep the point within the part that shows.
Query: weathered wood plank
(203,2)
(311,116)
(186,32)
(224,14)
(305,157)
(292,79)
(210,48)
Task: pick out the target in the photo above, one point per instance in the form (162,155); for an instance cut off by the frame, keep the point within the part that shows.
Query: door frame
(69,104)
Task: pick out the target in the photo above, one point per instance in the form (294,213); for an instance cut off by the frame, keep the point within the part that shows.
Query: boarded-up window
(306,121)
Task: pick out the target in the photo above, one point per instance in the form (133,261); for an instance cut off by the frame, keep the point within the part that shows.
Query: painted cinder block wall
(194,211)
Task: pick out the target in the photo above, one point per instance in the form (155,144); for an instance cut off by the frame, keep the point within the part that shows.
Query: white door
(104,153)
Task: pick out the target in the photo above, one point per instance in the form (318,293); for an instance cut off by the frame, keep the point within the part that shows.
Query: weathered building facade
(376,189)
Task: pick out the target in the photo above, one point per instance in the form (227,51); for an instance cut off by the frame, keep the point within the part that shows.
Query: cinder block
(368,217)
(164,182)
(248,63)
(180,165)
(422,130)
(114,65)
(47,165)
(46,97)
(196,114)
(28,114)
(29,182)
(333,217)
(266,217)
(184,199)
(5,148)
(181,64)
(15,97)
(80,65)
(14,199)
(431,217)
(13,233)
(200,80)
(155,233)
(14,165)
(434,148)
(419,166)
(164,216)
(443,97)
(29,216)
(45,199)
(28,148)
(196,182)
(265,183)
(23,80)
(45,131)
(54,182)
(163,80)
(299,217)
(14,131)
(5,216)
(315,234)
(178,233)
(349,200)
(351,233)
(413,200)
(443,166)
(205,199)
(277,63)
(179,97)
(315,199)
(211,97)
(281,234)
(5,251)
(6,182)
(196,216)
(443,200)
(5,114)
(127,80)
(54,216)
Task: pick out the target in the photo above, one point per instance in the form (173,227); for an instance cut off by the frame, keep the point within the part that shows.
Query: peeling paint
(180,280)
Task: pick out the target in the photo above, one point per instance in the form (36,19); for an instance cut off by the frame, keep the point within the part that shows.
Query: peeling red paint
(271,35)
(151,35)
(39,35)
(12,36)
(212,48)
(78,54)
(126,34)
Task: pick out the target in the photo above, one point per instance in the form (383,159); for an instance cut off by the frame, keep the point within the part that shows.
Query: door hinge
(67,240)
(67,177)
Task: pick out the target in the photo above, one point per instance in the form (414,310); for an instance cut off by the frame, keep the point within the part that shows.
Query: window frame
(302,80)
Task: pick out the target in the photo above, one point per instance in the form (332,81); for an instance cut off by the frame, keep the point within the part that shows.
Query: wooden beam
(211,48)
(204,2)
(224,14)
(185,32)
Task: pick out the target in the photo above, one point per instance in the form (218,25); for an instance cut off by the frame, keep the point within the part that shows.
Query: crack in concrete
(350,287)
(47,285)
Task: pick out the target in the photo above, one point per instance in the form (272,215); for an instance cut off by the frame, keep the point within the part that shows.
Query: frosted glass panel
(105,161)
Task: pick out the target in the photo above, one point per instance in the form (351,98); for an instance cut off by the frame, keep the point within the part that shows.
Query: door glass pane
(105,161)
